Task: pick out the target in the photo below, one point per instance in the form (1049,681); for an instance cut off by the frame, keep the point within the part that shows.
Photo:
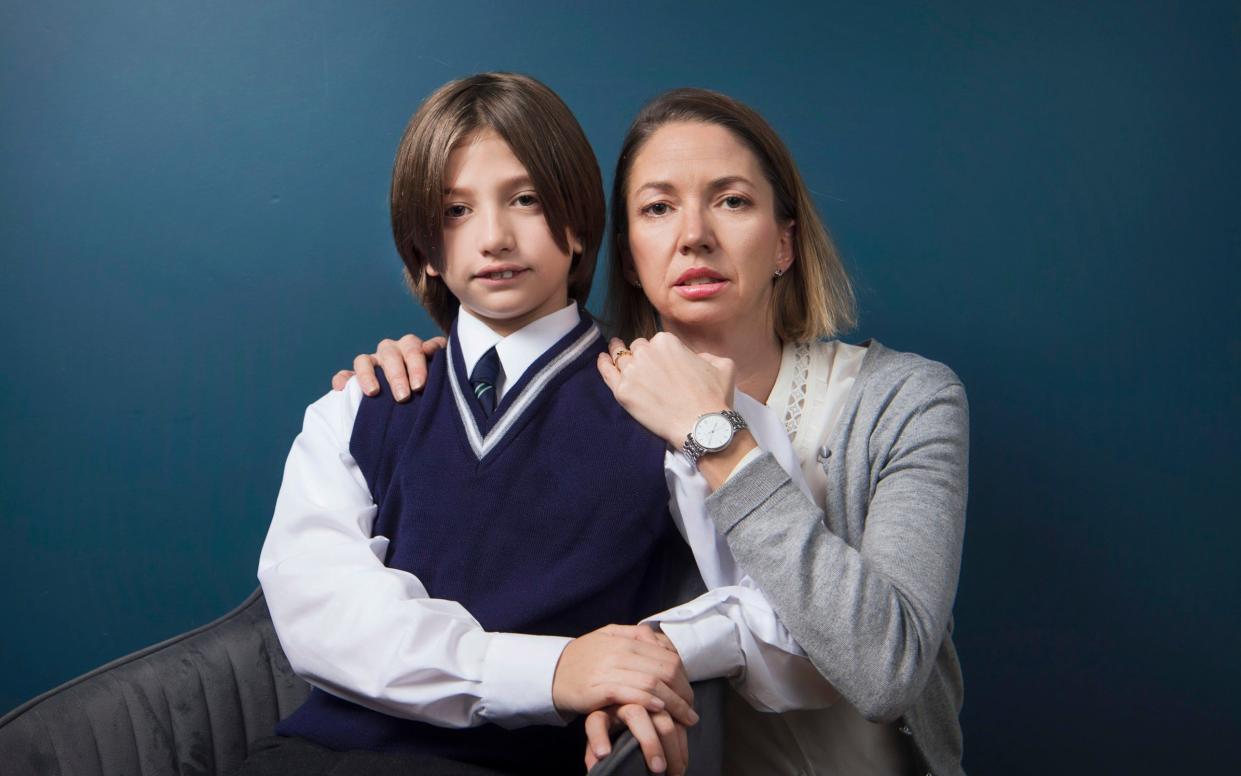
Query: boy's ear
(430,270)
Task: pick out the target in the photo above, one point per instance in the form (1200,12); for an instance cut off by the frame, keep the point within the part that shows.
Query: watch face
(713,432)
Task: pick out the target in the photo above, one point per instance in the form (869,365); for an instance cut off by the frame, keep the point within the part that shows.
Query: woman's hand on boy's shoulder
(404,362)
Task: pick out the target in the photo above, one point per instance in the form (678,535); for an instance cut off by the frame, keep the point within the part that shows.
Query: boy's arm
(368,633)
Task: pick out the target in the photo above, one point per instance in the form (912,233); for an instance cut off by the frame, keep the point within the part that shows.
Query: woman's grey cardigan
(867,587)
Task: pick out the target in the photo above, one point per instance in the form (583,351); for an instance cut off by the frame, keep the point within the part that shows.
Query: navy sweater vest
(550,517)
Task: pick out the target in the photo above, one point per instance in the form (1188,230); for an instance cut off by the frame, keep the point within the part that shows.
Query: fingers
(618,352)
(683,740)
(598,737)
(364,366)
(672,738)
(658,739)
(630,683)
(414,360)
(340,379)
(676,704)
(608,371)
(640,725)
(668,672)
(434,345)
(389,356)
(624,692)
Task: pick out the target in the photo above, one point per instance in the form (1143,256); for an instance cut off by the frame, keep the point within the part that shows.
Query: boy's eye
(526,200)
(656,209)
(456,211)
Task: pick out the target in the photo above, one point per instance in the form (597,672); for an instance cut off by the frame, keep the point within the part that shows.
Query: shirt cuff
(709,646)
(517,679)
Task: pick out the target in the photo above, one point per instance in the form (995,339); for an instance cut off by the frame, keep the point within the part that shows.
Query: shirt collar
(518,350)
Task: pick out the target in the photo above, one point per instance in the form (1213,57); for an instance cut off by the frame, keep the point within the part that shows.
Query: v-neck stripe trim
(483,444)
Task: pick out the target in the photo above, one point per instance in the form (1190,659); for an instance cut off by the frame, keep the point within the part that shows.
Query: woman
(718,247)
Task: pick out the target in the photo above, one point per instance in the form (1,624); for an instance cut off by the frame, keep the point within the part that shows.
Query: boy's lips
(500,274)
(699,283)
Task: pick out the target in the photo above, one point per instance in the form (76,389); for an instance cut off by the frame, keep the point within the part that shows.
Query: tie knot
(483,379)
(487,369)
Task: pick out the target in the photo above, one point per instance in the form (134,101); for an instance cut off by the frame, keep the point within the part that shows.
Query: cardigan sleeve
(871,617)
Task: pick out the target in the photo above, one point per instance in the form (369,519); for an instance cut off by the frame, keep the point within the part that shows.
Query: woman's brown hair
(813,299)
(545,138)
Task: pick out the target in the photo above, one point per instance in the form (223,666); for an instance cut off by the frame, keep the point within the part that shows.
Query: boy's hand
(663,741)
(619,665)
(404,362)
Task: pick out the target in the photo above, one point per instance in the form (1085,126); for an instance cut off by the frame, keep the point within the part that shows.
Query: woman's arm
(872,617)
(336,607)
(732,630)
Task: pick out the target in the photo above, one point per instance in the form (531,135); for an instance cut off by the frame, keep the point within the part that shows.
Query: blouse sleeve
(871,617)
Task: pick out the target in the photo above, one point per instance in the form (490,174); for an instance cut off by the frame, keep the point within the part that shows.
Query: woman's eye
(527,200)
(456,211)
(656,209)
(734,202)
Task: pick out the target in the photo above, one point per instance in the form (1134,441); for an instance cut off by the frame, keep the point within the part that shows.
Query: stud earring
(779,272)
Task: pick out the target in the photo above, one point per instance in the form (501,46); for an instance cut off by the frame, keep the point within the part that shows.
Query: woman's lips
(700,290)
(699,283)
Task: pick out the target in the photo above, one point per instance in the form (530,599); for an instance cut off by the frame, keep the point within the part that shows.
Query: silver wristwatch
(712,433)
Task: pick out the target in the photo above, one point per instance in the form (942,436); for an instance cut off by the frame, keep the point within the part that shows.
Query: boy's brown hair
(545,138)
(813,299)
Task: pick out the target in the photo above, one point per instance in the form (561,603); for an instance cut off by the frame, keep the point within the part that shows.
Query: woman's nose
(697,235)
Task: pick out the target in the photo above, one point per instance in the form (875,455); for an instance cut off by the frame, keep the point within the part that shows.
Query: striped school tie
(483,380)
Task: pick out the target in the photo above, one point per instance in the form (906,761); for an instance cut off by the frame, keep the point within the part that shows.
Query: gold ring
(622,352)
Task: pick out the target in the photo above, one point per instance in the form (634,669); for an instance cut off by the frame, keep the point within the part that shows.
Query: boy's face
(500,260)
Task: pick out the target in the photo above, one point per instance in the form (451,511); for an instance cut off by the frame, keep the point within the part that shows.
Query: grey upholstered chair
(191,705)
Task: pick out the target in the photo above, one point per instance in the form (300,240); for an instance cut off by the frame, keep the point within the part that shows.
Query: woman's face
(703,232)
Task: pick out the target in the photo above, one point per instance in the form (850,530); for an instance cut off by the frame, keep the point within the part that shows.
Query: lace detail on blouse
(797,388)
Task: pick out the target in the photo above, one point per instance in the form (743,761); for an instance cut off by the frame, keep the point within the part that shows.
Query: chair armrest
(188,705)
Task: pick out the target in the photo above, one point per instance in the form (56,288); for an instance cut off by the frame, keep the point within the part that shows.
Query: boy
(512,505)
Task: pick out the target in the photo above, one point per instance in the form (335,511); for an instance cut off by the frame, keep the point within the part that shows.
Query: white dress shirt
(369,633)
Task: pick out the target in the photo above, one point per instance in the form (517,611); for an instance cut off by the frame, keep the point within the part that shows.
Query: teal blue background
(193,232)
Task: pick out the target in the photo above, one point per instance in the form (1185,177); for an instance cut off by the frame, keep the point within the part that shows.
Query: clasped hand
(628,675)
